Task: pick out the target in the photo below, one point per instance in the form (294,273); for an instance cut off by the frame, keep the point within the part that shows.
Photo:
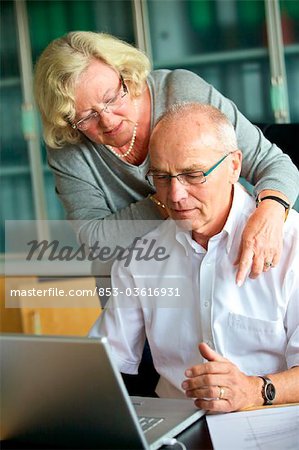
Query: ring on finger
(268,264)
(221,392)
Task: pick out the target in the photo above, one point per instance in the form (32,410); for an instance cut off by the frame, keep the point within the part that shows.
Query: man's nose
(177,191)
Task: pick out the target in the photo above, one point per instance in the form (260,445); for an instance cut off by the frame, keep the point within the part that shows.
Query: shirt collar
(184,237)
(232,222)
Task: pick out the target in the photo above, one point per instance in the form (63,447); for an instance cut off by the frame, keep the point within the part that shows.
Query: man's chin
(185,224)
(183,220)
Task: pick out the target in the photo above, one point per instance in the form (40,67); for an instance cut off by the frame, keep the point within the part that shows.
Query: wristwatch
(268,391)
(286,205)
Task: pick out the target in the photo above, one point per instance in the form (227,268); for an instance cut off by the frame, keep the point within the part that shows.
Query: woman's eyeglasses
(110,106)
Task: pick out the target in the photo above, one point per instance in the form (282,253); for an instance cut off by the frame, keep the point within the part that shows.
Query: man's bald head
(205,121)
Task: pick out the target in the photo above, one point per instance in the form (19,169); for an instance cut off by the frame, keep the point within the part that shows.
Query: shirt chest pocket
(256,346)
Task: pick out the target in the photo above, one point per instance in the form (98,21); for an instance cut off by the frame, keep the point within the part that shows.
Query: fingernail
(185,385)
(188,373)
(239,283)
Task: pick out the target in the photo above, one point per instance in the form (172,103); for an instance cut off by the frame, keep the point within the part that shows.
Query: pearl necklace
(123,155)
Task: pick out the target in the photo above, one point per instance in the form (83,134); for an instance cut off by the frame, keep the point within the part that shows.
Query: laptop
(67,391)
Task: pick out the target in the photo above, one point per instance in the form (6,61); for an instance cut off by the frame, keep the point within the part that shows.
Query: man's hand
(218,385)
(261,244)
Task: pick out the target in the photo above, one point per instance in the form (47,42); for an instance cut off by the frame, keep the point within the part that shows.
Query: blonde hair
(220,124)
(59,68)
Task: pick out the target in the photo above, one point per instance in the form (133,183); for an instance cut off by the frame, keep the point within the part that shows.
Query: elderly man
(228,347)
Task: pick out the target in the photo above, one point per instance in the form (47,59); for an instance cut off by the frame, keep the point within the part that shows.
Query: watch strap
(285,204)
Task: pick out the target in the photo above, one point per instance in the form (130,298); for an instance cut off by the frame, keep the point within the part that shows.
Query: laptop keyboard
(148,423)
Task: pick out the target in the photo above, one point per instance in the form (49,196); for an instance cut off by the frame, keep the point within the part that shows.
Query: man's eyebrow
(154,169)
(192,168)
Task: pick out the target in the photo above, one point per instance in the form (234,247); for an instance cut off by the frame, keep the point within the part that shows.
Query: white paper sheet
(263,429)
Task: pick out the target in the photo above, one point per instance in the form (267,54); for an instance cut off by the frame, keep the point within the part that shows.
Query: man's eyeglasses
(186,178)
(112,104)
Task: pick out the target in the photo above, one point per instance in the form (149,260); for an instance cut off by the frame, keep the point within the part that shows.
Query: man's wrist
(257,398)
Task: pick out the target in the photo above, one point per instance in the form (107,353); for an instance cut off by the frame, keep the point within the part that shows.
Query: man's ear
(236,165)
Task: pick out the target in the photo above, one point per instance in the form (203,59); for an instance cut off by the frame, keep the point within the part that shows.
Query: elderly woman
(99,101)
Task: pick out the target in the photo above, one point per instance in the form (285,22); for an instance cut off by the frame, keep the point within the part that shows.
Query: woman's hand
(261,244)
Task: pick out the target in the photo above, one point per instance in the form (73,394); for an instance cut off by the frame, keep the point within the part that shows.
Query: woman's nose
(106,120)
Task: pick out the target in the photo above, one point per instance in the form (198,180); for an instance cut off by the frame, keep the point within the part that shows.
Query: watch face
(270,392)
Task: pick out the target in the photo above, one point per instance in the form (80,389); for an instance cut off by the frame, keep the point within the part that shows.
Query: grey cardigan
(100,189)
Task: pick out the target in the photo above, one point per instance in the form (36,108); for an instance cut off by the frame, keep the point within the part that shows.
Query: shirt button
(206,304)
(210,344)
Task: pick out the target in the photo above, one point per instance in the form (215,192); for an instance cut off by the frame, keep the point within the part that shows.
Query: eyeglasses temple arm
(216,165)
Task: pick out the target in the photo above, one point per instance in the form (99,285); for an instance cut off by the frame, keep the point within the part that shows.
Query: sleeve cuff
(128,367)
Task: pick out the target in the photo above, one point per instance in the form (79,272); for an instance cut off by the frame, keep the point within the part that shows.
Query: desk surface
(196,437)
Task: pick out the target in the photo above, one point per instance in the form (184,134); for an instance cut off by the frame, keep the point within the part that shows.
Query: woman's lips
(114,131)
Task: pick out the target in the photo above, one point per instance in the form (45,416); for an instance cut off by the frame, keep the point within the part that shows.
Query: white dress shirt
(256,326)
